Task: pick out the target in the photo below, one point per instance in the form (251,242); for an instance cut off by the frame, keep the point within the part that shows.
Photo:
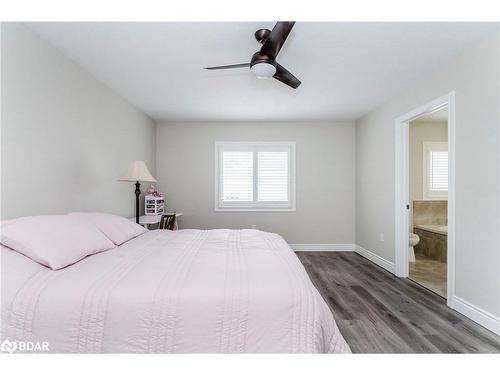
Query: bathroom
(428,190)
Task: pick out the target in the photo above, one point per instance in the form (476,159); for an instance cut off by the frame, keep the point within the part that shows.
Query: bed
(186,291)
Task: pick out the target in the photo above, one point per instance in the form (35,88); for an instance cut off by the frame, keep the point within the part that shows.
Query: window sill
(264,209)
(435,198)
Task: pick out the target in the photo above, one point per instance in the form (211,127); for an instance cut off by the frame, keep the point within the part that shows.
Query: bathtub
(434,228)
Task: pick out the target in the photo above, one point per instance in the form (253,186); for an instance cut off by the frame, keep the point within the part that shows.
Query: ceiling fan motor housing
(257,58)
(263,66)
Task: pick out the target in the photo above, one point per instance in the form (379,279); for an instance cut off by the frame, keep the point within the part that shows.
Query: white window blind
(237,174)
(255,176)
(272,176)
(435,170)
(438,171)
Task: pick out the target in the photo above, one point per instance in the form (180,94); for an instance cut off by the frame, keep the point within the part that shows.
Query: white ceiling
(346,69)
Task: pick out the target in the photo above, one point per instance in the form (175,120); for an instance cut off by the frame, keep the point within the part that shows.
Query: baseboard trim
(378,260)
(322,246)
(477,314)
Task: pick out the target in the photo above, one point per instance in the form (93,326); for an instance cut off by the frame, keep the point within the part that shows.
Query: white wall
(475,77)
(325,177)
(66,138)
(420,132)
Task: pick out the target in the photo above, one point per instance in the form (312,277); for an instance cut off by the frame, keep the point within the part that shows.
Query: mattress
(187,291)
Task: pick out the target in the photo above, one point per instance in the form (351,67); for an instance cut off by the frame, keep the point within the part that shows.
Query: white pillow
(117,228)
(55,241)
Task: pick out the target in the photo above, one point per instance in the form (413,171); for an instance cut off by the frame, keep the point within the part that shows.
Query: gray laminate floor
(380,313)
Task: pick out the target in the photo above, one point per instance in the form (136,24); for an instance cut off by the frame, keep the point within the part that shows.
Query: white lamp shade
(137,171)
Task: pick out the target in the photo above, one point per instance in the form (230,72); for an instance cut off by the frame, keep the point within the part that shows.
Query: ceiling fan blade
(276,39)
(244,65)
(286,77)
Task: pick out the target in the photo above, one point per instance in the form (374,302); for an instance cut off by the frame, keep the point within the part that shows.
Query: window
(435,170)
(255,176)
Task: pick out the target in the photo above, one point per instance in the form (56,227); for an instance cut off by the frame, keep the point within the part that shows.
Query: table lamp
(137,171)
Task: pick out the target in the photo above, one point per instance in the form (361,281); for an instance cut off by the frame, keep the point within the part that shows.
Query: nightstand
(147,220)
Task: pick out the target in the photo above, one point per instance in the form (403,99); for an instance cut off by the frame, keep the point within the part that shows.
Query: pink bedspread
(217,291)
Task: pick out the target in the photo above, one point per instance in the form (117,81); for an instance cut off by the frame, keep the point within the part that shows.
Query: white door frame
(402,188)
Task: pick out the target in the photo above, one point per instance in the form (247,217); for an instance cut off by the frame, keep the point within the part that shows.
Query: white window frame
(255,205)
(427,147)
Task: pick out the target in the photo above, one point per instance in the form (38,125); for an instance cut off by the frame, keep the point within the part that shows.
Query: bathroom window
(255,176)
(435,170)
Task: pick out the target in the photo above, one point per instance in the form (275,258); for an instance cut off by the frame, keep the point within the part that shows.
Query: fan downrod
(261,35)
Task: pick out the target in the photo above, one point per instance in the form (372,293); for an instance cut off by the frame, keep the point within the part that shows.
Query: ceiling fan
(263,63)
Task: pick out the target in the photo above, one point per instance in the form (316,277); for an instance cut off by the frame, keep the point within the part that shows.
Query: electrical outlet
(381,237)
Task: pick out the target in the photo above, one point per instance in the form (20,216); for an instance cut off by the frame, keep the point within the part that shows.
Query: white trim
(289,206)
(401,214)
(322,246)
(377,259)
(480,316)
(263,209)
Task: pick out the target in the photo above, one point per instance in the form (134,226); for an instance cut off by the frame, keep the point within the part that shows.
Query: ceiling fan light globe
(263,70)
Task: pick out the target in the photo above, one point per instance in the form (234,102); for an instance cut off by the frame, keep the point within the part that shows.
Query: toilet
(413,241)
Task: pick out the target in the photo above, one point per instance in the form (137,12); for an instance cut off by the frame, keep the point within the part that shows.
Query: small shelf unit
(154,205)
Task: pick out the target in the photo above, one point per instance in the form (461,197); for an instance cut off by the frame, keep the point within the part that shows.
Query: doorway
(428,199)
(424,199)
